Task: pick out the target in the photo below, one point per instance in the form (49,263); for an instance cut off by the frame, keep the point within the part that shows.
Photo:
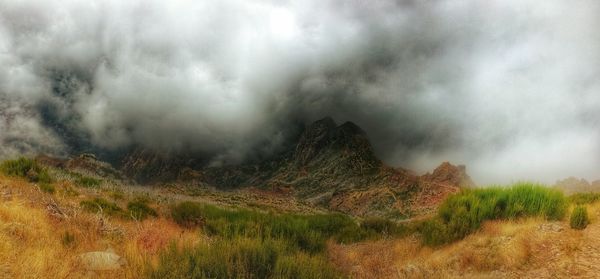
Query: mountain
(331,165)
(572,185)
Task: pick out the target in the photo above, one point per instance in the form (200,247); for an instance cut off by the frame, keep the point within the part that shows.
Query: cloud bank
(510,88)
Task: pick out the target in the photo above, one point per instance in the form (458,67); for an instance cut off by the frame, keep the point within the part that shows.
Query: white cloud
(485,83)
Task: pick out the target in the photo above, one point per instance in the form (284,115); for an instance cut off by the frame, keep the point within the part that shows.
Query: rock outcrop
(101,260)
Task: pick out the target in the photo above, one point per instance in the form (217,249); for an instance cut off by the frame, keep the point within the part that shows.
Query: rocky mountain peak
(323,142)
(447,173)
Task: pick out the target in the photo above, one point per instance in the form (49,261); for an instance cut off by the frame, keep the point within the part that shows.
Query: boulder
(101,260)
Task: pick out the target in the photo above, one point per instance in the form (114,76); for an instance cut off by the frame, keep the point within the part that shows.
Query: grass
(307,232)
(139,210)
(464,212)
(255,244)
(241,257)
(188,214)
(98,205)
(88,182)
(382,226)
(26,168)
(48,188)
(584,198)
(579,218)
(68,239)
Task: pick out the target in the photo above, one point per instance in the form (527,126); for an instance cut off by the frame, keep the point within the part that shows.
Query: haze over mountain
(509,88)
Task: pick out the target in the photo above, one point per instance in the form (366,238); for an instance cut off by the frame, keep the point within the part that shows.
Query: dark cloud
(509,88)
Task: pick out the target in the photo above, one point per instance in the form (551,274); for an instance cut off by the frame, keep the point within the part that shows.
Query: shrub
(187,214)
(579,218)
(68,239)
(27,168)
(101,205)
(48,188)
(377,225)
(434,232)
(117,194)
(69,191)
(464,212)
(88,182)
(139,210)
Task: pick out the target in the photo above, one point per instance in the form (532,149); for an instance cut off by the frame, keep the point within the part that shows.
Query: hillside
(68,221)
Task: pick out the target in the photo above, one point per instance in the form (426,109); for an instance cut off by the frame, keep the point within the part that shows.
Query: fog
(508,87)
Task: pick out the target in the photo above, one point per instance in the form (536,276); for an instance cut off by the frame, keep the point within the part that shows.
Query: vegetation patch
(48,188)
(240,257)
(88,182)
(463,213)
(584,198)
(26,168)
(188,214)
(579,218)
(382,226)
(68,239)
(98,205)
(139,210)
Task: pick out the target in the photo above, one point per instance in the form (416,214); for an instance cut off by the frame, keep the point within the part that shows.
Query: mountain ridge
(331,165)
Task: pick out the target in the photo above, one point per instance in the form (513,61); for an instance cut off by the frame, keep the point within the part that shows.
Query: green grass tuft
(579,218)
(26,168)
(377,225)
(101,205)
(88,182)
(188,214)
(463,213)
(48,188)
(139,210)
(68,239)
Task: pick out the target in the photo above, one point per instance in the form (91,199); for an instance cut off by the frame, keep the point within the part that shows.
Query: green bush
(101,205)
(48,188)
(434,232)
(579,218)
(139,210)
(26,168)
(88,182)
(188,214)
(377,225)
(463,213)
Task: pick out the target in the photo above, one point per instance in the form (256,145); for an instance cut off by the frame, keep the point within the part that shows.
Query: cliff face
(331,165)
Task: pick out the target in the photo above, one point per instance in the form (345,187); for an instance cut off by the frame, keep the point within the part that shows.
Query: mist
(509,88)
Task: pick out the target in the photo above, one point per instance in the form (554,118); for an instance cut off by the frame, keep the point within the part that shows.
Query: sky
(510,88)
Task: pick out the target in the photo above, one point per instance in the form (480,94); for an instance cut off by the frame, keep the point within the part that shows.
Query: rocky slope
(332,166)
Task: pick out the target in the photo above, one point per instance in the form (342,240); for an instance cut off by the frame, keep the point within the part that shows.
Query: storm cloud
(509,88)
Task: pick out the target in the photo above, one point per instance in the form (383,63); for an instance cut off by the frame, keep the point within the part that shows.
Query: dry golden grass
(32,243)
(528,248)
